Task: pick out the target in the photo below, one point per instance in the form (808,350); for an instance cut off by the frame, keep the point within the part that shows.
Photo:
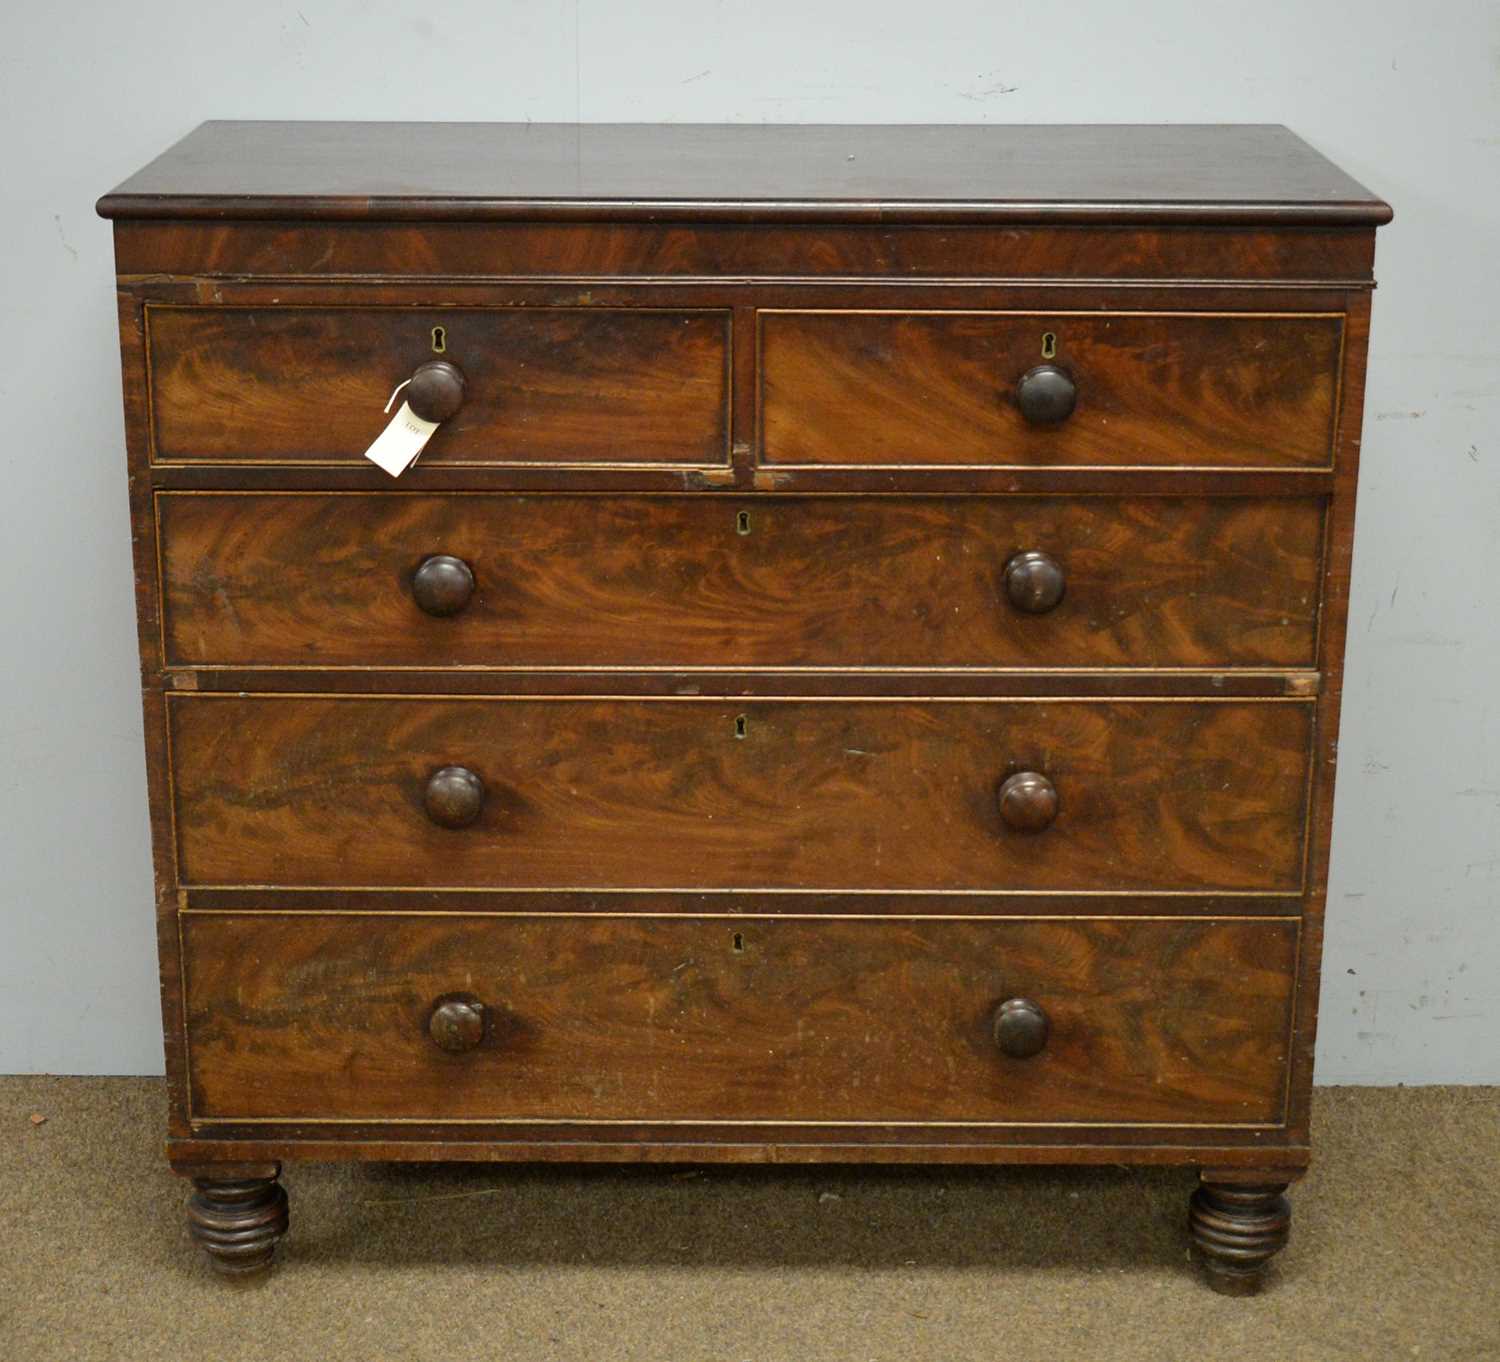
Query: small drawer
(548,385)
(474,580)
(1049,389)
(507,792)
(718,1020)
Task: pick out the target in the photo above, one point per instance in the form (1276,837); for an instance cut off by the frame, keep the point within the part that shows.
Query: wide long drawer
(1052,389)
(765,794)
(543,384)
(423,580)
(737,1019)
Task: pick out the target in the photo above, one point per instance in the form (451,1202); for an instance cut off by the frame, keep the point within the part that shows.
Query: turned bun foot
(1237,1229)
(238,1221)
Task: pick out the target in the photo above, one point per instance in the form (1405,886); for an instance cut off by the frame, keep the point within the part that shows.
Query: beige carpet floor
(1395,1253)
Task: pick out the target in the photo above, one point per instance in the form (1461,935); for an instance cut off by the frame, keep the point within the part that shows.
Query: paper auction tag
(397,446)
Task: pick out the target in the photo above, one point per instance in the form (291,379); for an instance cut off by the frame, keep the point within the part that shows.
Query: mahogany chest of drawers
(852,675)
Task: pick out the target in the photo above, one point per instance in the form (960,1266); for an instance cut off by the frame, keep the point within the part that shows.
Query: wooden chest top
(496,172)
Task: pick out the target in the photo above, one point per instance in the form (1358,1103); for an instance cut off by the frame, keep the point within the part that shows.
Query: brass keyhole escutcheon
(742,523)
(741,726)
(439,340)
(1049,345)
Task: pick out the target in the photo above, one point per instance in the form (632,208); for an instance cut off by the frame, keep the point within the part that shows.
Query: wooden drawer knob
(457,1024)
(1034,582)
(454,797)
(1045,395)
(1020,1028)
(436,390)
(443,584)
(1028,801)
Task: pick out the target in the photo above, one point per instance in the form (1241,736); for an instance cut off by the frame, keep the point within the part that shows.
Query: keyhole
(439,339)
(741,723)
(1049,344)
(742,523)
(739,942)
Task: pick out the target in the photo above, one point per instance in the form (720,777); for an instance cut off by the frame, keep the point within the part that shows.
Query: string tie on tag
(396,393)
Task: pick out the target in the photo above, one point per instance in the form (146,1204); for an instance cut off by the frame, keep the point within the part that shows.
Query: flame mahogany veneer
(854,675)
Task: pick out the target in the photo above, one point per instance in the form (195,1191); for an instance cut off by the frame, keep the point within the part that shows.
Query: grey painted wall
(1406,97)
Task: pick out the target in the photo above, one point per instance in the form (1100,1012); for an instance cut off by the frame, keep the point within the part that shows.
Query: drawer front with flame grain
(581,385)
(723,794)
(1049,389)
(750,1019)
(423,580)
